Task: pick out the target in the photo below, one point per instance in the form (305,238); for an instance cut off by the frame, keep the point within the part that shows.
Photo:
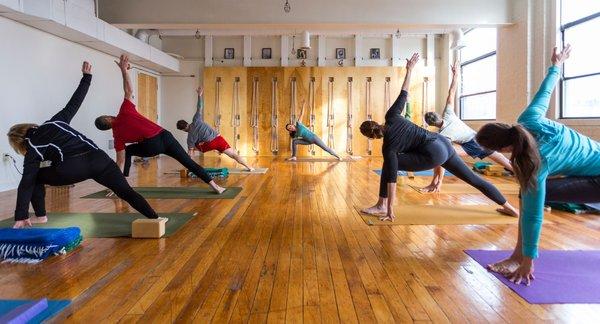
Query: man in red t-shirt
(147,138)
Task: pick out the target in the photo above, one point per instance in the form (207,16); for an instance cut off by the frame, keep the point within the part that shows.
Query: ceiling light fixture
(287,7)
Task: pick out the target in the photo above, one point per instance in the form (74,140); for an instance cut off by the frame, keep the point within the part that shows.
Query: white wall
(179,98)
(39,74)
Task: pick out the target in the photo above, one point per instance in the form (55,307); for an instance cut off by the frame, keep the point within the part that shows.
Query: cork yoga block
(148,228)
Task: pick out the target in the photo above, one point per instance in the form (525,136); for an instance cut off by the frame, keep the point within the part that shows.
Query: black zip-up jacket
(53,141)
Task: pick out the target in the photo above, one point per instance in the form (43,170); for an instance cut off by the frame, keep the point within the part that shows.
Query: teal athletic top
(303,132)
(563,152)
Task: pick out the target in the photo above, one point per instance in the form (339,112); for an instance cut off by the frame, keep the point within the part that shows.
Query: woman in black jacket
(56,154)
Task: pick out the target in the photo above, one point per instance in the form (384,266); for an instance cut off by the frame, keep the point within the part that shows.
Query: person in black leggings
(147,138)
(56,154)
(408,147)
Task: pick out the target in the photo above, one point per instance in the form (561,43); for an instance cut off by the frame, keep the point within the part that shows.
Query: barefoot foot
(508,211)
(506,266)
(375,210)
(39,220)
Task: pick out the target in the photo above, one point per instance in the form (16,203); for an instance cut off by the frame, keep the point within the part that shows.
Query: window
(580,23)
(478,82)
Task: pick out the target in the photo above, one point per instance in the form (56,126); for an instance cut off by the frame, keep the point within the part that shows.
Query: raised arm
(536,111)
(67,113)
(199,105)
(453,84)
(124,66)
(398,106)
(302,106)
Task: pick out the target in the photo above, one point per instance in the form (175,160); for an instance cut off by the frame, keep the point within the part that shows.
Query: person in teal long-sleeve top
(542,148)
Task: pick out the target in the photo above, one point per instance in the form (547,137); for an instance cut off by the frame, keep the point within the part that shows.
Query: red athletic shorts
(219,144)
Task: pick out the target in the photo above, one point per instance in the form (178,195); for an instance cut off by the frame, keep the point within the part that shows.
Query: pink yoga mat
(561,277)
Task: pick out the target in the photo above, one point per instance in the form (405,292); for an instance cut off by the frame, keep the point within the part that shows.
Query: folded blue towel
(32,245)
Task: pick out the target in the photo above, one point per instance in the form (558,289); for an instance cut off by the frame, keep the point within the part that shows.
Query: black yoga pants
(440,152)
(96,165)
(579,190)
(164,143)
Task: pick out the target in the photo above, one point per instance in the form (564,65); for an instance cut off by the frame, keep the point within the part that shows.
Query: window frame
(563,78)
(462,96)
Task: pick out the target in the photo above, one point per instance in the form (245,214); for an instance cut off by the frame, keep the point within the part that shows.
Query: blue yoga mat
(426,173)
(54,307)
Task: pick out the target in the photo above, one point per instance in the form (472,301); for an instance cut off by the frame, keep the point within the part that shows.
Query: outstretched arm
(67,113)
(302,105)
(199,105)
(398,106)
(124,66)
(453,84)
(536,111)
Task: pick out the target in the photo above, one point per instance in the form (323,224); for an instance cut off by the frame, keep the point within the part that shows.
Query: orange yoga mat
(442,215)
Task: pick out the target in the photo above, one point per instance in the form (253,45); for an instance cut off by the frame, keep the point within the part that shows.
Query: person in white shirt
(458,132)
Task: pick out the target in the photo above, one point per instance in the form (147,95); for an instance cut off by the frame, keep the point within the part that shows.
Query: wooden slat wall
(303,75)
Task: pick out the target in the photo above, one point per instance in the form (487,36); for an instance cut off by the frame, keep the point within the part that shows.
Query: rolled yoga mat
(244,171)
(442,215)
(561,277)
(105,224)
(53,308)
(174,193)
(426,173)
(325,159)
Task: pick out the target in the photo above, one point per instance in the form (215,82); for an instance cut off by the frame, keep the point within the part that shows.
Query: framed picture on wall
(375,53)
(340,53)
(266,53)
(229,54)
(301,54)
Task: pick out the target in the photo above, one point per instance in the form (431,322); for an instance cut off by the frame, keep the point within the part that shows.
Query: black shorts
(474,150)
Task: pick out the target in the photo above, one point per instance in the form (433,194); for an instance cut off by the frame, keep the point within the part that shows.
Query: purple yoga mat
(561,277)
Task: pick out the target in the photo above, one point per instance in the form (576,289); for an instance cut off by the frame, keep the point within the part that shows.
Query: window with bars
(478,81)
(579,91)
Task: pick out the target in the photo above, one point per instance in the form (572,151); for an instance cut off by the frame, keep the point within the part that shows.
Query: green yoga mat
(175,193)
(105,224)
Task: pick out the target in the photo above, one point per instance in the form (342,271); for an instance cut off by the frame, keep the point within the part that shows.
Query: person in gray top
(204,138)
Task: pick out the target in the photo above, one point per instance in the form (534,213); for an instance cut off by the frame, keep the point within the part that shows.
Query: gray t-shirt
(199,130)
(454,128)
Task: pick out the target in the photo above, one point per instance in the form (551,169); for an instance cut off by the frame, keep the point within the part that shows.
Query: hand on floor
(387,218)
(433,187)
(523,274)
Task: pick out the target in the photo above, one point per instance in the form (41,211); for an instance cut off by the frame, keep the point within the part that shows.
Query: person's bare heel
(39,220)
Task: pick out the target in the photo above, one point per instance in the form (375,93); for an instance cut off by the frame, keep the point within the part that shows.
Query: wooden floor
(291,247)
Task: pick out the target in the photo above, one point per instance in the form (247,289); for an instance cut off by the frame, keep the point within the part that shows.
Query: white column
(285,50)
(430,51)
(396,60)
(322,55)
(247,51)
(208,50)
(358,59)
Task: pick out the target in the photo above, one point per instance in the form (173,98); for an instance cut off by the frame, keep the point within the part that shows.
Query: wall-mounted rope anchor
(312,117)
(217,120)
(369,113)
(349,126)
(235,113)
(274,117)
(330,115)
(254,118)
